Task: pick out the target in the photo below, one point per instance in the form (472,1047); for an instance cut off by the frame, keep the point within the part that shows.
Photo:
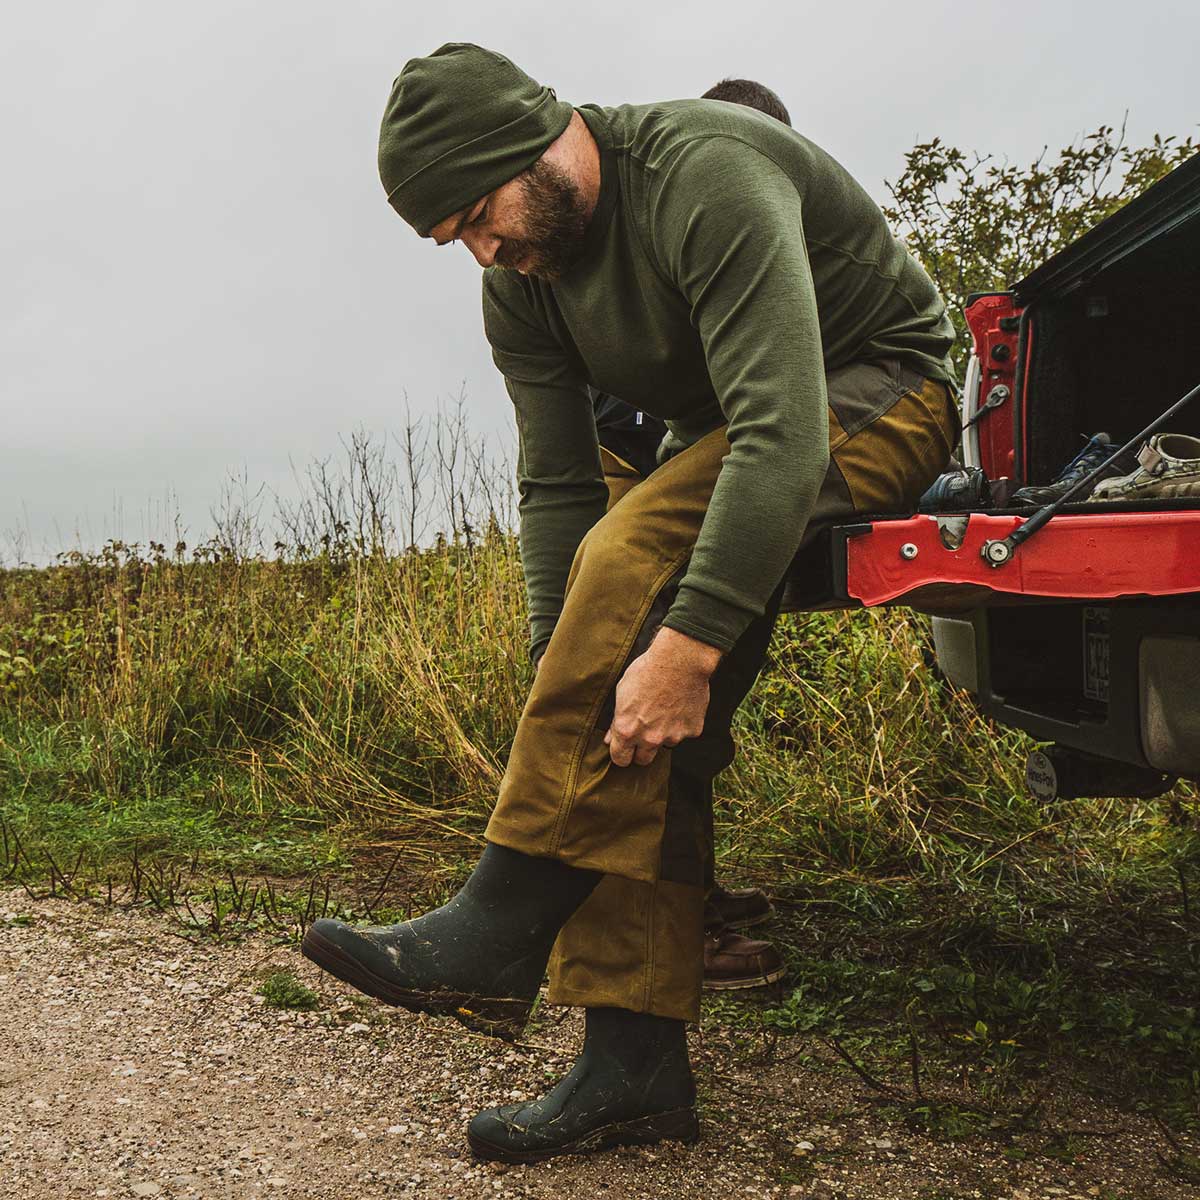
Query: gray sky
(200,273)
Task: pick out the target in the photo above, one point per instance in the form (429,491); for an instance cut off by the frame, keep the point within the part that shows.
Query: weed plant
(281,989)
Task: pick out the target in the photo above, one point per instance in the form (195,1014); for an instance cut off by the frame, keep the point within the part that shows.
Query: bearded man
(713,267)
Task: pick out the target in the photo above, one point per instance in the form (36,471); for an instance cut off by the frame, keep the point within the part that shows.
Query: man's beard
(555,221)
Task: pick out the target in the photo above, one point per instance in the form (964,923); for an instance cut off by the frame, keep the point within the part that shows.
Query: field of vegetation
(332,716)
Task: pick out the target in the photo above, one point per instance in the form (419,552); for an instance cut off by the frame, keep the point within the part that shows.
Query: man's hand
(662,698)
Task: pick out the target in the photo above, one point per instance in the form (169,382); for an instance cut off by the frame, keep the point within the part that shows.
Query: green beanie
(457,125)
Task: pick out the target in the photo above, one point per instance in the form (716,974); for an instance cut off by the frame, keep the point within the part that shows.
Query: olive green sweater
(728,265)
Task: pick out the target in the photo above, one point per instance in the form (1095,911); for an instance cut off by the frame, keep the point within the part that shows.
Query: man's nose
(482,245)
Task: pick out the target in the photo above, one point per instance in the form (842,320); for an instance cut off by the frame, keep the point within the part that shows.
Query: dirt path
(137,1064)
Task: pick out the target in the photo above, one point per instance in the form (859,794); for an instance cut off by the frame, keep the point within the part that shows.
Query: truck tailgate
(935,563)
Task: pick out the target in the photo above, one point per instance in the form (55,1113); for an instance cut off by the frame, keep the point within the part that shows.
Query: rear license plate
(1095,653)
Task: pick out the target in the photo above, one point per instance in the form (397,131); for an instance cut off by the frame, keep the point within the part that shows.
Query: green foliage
(979,223)
(369,685)
(1001,1018)
(68,788)
(945,1120)
(281,989)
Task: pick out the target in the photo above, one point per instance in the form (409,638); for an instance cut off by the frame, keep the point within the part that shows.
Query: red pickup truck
(1088,634)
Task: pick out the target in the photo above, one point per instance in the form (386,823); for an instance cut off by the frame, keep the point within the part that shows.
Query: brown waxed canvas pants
(636,942)
(620,476)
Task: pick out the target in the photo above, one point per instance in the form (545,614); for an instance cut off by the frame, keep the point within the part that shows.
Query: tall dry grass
(366,663)
(348,670)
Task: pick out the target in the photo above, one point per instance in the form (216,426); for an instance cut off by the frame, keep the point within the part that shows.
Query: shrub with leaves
(979,223)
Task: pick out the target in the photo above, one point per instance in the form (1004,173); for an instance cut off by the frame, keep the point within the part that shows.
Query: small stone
(145,1189)
(800,1149)
(357,1027)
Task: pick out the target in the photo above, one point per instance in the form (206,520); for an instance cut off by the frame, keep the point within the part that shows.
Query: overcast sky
(200,273)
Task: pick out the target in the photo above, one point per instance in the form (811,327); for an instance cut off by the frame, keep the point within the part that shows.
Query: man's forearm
(687,653)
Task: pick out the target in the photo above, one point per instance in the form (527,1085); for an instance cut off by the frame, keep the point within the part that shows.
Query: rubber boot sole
(748,981)
(497,1017)
(678,1125)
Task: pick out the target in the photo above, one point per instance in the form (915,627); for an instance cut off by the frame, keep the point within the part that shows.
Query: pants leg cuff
(514,838)
(678,1008)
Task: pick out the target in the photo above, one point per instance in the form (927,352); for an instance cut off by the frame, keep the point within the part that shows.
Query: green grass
(281,989)
(52,797)
(49,795)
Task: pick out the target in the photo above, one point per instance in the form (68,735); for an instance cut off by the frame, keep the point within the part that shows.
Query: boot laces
(1098,449)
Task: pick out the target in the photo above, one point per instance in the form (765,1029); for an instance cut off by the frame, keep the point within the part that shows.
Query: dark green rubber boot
(631,1085)
(480,958)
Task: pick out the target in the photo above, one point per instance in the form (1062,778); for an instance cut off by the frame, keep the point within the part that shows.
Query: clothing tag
(639,417)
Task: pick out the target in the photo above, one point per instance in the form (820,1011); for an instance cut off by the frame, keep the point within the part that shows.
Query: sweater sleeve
(560,482)
(726,225)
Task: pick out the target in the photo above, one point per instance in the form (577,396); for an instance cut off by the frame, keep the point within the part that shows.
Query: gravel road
(137,1064)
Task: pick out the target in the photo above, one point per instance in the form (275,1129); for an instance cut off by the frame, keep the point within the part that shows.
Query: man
(629,440)
(710,265)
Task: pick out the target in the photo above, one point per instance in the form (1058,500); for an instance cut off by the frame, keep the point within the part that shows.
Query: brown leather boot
(736,908)
(733,961)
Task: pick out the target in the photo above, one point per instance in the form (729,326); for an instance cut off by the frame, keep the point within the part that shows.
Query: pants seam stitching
(571,782)
(648,969)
